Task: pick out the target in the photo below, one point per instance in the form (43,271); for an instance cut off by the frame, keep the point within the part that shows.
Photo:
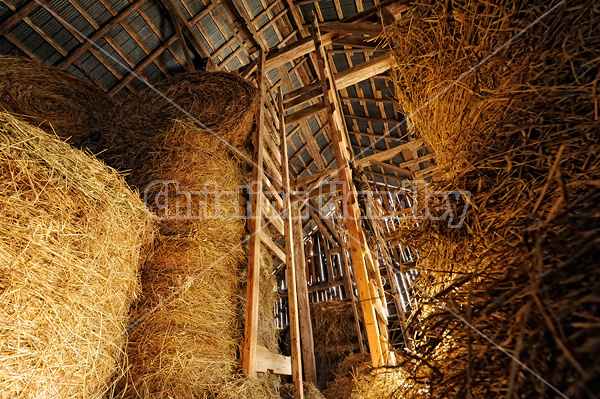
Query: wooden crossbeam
(19,15)
(304,113)
(354,28)
(389,154)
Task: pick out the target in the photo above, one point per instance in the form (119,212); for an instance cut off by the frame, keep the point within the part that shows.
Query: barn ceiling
(121,44)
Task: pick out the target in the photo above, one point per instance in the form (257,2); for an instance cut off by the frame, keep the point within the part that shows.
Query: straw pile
(70,245)
(334,333)
(521,134)
(60,103)
(224,103)
(186,343)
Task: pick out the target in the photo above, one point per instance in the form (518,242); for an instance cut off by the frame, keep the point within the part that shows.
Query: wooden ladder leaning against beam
(271,213)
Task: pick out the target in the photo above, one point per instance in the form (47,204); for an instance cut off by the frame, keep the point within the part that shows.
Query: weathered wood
(354,28)
(255,224)
(312,94)
(273,246)
(304,113)
(356,240)
(388,154)
(352,76)
(306,332)
(268,361)
(20,14)
(292,51)
(291,262)
(83,47)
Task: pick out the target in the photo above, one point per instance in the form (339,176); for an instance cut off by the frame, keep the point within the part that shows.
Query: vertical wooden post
(290,261)
(368,280)
(255,224)
(306,333)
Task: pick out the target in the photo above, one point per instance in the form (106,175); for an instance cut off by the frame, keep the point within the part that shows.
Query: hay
(310,391)
(334,334)
(190,346)
(70,242)
(224,102)
(57,101)
(521,135)
(356,379)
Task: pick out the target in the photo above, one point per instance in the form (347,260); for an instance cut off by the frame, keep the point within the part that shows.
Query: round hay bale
(520,135)
(71,235)
(60,103)
(225,103)
(187,347)
(193,183)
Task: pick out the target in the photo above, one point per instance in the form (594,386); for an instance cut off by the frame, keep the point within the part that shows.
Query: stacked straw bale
(70,246)
(223,103)
(335,338)
(186,340)
(60,103)
(521,134)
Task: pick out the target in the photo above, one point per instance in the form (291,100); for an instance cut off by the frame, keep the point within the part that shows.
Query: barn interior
(299,198)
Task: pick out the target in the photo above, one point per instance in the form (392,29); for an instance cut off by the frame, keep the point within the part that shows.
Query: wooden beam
(19,15)
(352,76)
(100,33)
(309,95)
(295,50)
(354,28)
(291,262)
(177,23)
(306,332)
(255,225)
(304,113)
(389,154)
(311,142)
(361,261)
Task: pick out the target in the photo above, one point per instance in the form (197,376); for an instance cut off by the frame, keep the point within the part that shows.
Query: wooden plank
(272,245)
(268,361)
(20,14)
(304,113)
(273,217)
(254,224)
(388,154)
(292,51)
(363,71)
(311,142)
(310,95)
(306,332)
(356,239)
(301,92)
(354,28)
(291,263)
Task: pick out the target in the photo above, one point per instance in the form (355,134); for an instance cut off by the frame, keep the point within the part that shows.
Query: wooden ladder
(270,226)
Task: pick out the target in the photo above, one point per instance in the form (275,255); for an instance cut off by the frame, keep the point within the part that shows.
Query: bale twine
(520,134)
(60,103)
(70,242)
